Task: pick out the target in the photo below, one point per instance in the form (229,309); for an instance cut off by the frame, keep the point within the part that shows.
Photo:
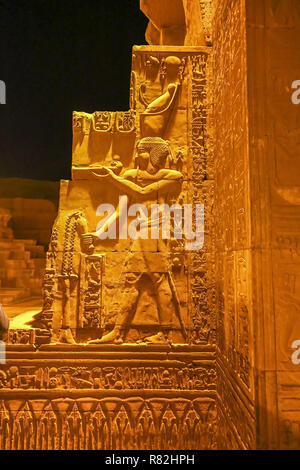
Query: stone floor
(22,311)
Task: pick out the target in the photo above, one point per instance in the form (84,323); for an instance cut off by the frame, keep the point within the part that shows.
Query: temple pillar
(257,59)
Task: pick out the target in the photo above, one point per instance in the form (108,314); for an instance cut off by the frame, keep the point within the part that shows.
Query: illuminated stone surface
(22,264)
(126,339)
(143,344)
(257,58)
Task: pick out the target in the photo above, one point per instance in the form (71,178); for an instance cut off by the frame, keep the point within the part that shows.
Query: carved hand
(104,171)
(88,241)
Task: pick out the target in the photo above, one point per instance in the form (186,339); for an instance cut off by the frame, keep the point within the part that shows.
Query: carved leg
(65,334)
(165,307)
(128,301)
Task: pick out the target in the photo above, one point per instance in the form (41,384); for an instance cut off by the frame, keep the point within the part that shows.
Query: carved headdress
(158,149)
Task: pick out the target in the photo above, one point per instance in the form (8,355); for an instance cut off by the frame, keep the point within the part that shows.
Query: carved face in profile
(142,158)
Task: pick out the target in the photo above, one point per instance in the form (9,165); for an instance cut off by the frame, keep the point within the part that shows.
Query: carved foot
(112,337)
(159,338)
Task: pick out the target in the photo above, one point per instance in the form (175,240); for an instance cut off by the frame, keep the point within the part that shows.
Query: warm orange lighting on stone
(142,344)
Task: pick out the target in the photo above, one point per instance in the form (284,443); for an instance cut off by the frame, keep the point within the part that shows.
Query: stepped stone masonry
(22,264)
(31,219)
(142,343)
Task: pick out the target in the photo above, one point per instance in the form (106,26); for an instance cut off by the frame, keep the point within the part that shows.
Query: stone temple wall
(123,354)
(105,365)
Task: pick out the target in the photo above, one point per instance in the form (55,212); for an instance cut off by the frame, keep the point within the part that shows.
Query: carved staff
(177,304)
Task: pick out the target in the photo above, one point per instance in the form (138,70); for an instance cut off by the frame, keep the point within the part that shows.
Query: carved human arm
(171,178)
(92,237)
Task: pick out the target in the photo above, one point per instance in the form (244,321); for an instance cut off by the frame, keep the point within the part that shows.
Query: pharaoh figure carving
(148,183)
(125,278)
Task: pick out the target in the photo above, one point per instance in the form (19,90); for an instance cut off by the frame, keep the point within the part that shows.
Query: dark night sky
(57,56)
